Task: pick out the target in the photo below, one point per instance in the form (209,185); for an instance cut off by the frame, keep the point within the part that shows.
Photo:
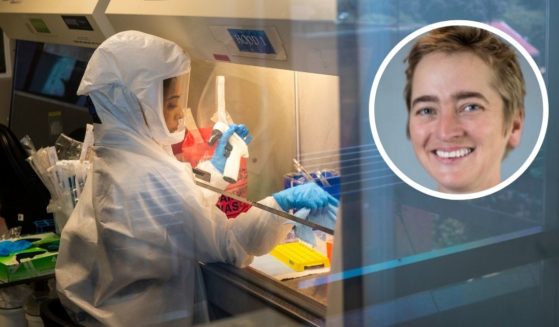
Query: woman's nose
(180,114)
(449,126)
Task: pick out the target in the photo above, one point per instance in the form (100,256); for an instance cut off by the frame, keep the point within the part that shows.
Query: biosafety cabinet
(279,62)
(299,74)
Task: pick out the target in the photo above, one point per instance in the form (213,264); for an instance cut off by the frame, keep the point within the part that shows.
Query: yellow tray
(299,256)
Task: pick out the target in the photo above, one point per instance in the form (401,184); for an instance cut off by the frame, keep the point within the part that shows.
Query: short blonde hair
(508,81)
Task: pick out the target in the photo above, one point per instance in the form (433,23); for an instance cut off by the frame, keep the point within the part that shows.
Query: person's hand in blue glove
(223,148)
(325,217)
(242,130)
(304,232)
(310,196)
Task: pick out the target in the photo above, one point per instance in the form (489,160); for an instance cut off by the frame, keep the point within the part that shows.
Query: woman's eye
(425,112)
(171,106)
(471,108)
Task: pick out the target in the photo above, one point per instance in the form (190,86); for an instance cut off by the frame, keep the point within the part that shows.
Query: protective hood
(124,78)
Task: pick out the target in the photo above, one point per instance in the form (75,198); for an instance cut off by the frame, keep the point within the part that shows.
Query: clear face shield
(175,101)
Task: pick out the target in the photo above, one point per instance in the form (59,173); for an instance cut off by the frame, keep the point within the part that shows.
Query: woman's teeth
(454,154)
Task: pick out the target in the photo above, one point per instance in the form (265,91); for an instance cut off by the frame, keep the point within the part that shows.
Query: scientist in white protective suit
(128,254)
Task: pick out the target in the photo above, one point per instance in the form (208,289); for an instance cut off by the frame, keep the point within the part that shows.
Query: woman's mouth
(454,154)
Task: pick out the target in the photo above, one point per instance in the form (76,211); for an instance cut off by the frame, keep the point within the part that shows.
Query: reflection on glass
(431,262)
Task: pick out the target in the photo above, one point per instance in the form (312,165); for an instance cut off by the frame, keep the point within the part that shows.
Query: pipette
(237,146)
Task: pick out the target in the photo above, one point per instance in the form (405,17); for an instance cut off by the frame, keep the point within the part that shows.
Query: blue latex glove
(304,232)
(9,247)
(310,196)
(223,148)
(324,216)
(242,130)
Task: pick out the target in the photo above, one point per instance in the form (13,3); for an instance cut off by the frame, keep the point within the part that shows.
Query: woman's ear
(517,125)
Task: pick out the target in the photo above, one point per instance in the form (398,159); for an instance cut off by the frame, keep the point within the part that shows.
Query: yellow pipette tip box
(299,256)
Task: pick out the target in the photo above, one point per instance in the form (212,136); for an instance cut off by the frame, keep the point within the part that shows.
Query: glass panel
(425,261)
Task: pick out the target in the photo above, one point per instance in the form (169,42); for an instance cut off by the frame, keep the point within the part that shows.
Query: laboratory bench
(233,291)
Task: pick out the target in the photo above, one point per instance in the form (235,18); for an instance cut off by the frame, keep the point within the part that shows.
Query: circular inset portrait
(458,109)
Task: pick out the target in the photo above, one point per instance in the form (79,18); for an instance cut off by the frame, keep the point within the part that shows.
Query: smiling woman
(457,121)
(464,91)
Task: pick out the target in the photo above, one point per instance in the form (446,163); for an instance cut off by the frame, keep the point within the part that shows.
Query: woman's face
(172,106)
(457,123)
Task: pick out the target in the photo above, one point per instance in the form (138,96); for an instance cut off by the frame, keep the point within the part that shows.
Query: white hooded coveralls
(130,250)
